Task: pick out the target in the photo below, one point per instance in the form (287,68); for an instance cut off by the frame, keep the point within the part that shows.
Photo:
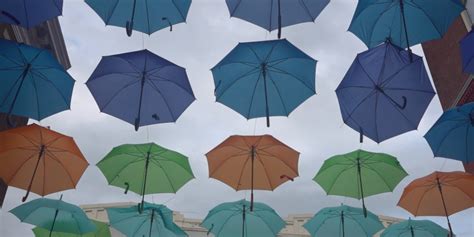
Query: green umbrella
(54,215)
(131,166)
(360,174)
(343,221)
(234,219)
(154,220)
(414,228)
(101,231)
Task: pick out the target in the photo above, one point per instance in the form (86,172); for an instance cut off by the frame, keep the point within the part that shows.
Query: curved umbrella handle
(128,187)
(137,124)
(210,229)
(169,22)
(129,28)
(11,17)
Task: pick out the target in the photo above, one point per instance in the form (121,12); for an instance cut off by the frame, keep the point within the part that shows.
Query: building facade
(47,35)
(294,223)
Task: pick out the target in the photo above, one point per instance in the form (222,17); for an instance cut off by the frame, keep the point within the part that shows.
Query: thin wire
(147,134)
(255,127)
(444,163)
(143,40)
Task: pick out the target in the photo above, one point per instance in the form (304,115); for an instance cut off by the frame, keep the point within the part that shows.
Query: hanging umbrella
(452,136)
(154,220)
(54,215)
(272,15)
(404,22)
(467,52)
(33,84)
(439,194)
(263,79)
(147,16)
(140,88)
(343,221)
(384,94)
(146,169)
(40,160)
(414,228)
(102,230)
(29,13)
(235,219)
(360,174)
(253,162)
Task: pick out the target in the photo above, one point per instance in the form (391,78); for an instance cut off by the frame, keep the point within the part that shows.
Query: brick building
(47,35)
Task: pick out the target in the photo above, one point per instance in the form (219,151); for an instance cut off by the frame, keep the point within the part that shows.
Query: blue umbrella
(384,94)
(147,16)
(404,22)
(452,136)
(263,79)
(271,15)
(343,221)
(29,13)
(140,88)
(154,220)
(415,228)
(467,52)
(32,82)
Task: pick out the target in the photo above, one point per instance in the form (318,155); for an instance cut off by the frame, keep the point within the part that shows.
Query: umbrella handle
(287,177)
(129,28)
(127,188)
(11,17)
(169,22)
(137,124)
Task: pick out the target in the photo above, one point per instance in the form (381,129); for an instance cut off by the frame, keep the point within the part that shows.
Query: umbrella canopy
(154,220)
(452,136)
(263,79)
(29,13)
(415,228)
(33,83)
(146,16)
(467,52)
(343,221)
(253,162)
(439,194)
(384,94)
(234,219)
(146,169)
(360,174)
(404,22)
(40,160)
(140,88)
(54,215)
(272,15)
(102,230)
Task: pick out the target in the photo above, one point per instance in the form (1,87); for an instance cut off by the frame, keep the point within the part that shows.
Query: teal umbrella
(154,220)
(343,221)
(414,228)
(102,230)
(55,216)
(234,219)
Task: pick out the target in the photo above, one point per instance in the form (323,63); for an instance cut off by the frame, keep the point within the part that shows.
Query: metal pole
(151,222)
(137,120)
(144,180)
(279,19)
(41,154)
(252,178)
(54,220)
(402,10)
(267,110)
(342,222)
(359,173)
(243,221)
(451,234)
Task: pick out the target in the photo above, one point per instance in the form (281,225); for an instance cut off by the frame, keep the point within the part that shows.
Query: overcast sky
(315,128)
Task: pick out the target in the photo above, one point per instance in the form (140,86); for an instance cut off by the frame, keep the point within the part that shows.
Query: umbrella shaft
(342,223)
(267,110)
(243,221)
(252,177)
(359,173)
(444,206)
(402,11)
(54,222)
(151,222)
(147,162)
(279,19)
(41,154)
(137,120)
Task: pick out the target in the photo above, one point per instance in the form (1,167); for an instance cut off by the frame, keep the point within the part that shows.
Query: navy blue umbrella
(384,93)
(467,52)
(452,136)
(140,88)
(264,78)
(29,13)
(275,14)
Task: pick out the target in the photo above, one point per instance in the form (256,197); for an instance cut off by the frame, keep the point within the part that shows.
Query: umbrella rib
(111,13)
(447,135)
(121,169)
(390,5)
(303,3)
(255,53)
(16,68)
(166,175)
(265,170)
(117,93)
(50,82)
(228,218)
(11,89)
(141,225)
(271,51)
(162,79)
(155,87)
(20,167)
(253,95)
(54,157)
(407,89)
(271,15)
(242,172)
(226,159)
(278,70)
(20,64)
(273,156)
(380,176)
(253,71)
(279,94)
(235,9)
(415,5)
(421,199)
(254,213)
(349,115)
(338,176)
(180,13)
(365,71)
(375,116)
(37,97)
(391,77)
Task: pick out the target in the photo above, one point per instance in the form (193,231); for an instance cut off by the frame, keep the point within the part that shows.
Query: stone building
(294,223)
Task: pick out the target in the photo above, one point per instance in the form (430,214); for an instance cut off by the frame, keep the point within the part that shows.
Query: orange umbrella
(439,194)
(253,162)
(40,160)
